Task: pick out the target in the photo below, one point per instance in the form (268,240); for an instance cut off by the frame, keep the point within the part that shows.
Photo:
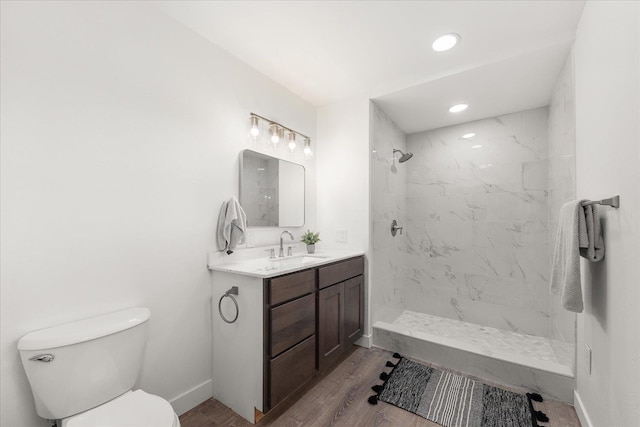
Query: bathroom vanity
(297,316)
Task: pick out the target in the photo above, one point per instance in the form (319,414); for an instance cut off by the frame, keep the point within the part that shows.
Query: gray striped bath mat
(453,400)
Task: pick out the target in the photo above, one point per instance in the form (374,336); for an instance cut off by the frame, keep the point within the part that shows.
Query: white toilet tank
(80,365)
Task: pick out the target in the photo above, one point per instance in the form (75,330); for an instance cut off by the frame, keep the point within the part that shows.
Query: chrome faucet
(281,254)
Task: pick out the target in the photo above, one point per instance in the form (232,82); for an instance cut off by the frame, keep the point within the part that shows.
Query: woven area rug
(453,400)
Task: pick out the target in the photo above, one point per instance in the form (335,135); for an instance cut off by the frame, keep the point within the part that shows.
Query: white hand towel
(565,271)
(221,232)
(578,234)
(232,224)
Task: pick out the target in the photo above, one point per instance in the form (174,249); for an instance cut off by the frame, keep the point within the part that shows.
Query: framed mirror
(271,190)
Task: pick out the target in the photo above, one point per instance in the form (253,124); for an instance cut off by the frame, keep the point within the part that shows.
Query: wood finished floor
(339,398)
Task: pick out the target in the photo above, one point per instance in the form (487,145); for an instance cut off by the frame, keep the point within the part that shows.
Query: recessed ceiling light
(445,42)
(476,146)
(457,108)
(468,135)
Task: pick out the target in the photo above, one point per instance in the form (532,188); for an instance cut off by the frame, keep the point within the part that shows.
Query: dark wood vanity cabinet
(310,318)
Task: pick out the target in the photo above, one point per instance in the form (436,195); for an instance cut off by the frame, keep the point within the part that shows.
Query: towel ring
(230,293)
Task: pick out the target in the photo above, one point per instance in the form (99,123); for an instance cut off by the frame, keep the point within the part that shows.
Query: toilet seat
(132,409)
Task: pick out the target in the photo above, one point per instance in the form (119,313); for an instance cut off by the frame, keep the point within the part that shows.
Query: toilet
(82,373)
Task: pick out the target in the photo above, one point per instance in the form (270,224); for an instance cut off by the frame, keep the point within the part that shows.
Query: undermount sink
(292,261)
(300,259)
(265,267)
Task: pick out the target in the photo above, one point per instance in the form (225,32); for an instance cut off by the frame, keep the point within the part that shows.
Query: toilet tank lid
(84,330)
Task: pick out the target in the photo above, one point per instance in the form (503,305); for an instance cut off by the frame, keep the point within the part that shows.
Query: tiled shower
(478,202)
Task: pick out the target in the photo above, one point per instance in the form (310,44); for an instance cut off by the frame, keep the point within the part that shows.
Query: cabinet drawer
(288,287)
(340,271)
(291,323)
(292,369)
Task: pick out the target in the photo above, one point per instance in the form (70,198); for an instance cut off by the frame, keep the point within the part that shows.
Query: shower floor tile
(526,350)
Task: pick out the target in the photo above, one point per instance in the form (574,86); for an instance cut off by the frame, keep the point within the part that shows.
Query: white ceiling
(518,83)
(508,59)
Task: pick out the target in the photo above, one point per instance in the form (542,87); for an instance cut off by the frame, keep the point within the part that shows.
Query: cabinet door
(353,309)
(331,340)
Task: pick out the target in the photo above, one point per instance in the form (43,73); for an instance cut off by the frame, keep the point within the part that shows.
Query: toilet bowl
(132,409)
(82,373)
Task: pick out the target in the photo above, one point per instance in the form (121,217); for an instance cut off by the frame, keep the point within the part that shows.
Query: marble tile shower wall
(562,188)
(477,233)
(388,200)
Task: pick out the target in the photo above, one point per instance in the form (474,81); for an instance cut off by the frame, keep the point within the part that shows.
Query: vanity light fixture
(292,141)
(255,130)
(468,135)
(277,132)
(458,108)
(445,42)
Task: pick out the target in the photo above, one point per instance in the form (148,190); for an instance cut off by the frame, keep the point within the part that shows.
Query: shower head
(404,157)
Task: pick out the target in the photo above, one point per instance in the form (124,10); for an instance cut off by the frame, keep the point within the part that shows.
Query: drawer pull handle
(229,294)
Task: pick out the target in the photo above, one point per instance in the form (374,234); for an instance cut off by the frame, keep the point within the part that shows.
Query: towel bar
(612,201)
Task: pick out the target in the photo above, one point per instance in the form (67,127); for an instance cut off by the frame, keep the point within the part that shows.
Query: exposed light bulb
(307,148)
(275,137)
(445,42)
(292,141)
(468,135)
(457,108)
(255,130)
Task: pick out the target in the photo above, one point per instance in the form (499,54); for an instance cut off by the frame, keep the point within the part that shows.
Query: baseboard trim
(365,341)
(192,398)
(583,416)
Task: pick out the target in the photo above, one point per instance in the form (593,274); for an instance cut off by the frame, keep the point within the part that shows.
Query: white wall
(120,138)
(607,73)
(343,181)
(343,173)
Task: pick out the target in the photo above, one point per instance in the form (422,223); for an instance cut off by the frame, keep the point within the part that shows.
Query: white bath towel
(578,234)
(232,224)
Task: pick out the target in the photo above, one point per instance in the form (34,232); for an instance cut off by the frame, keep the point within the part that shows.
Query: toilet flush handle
(43,358)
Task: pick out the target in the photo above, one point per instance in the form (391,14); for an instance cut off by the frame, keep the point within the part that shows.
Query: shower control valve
(395,228)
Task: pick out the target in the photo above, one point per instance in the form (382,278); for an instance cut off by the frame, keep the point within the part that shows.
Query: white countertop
(265,268)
